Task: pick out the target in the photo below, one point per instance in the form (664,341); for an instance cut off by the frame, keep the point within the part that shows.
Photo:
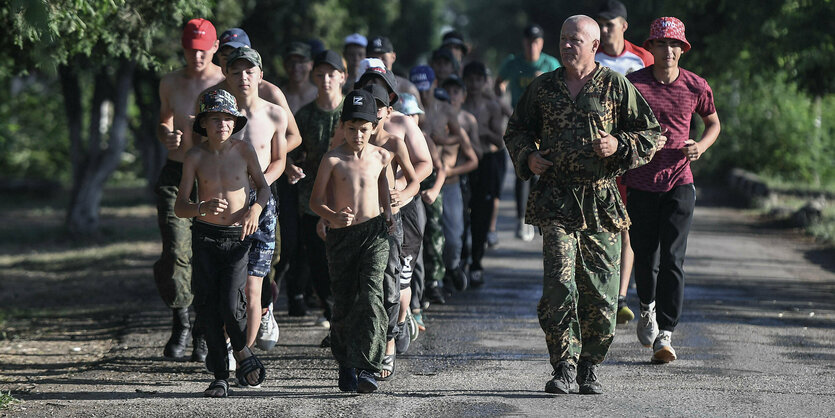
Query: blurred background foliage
(770,66)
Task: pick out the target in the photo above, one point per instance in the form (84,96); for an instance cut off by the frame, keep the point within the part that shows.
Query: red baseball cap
(199,34)
(667,28)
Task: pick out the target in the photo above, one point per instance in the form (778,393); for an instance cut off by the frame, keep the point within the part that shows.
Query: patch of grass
(824,230)
(7,400)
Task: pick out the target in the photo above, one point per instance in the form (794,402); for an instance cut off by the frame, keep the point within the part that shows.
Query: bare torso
(178,93)
(265,123)
(223,175)
(298,97)
(354,178)
(488,114)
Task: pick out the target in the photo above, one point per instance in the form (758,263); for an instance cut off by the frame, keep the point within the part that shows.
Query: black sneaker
(201,350)
(476,278)
(366,383)
(587,378)
(459,279)
(435,295)
(347,379)
(563,380)
(326,342)
(296,306)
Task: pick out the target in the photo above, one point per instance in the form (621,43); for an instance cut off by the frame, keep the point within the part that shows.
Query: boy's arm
(432,193)
(470,162)
(253,168)
(494,125)
(278,154)
(401,197)
(318,197)
(383,192)
(275,95)
(183,208)
(165,130)
(418,148)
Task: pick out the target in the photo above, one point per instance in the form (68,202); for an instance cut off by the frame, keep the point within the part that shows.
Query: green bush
(771,127)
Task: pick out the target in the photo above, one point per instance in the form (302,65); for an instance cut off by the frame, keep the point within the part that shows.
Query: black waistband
(216,231)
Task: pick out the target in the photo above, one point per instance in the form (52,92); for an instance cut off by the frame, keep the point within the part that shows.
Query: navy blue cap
(235,37)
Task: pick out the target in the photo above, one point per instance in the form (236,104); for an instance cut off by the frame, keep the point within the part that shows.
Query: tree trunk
(153,153)
(98,161)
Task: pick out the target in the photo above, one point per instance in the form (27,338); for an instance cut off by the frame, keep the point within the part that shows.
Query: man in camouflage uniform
(578,128)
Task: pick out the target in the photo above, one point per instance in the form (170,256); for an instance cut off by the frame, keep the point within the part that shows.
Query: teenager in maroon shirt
(661,195)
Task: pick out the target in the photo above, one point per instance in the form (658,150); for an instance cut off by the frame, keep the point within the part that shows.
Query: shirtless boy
(487,180)
(298,62)
(460,159)
(350,188)
(177,92)
(223,168)
(264,130)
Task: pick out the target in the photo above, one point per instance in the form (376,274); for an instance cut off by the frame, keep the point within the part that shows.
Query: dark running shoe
(587,378)
(434,294)
(403,338)
(459,279)
(347,379)
(366,383)
(476,278)
(563,380)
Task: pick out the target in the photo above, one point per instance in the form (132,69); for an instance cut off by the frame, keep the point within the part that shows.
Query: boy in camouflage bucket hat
(221,234)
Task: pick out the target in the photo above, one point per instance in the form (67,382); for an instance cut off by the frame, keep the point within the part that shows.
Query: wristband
(198,208)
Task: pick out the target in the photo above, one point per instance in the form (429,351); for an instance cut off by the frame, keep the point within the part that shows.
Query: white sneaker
(231,364)
(528,232)
(268,331)
(647,328)
(322,322)
(662,348)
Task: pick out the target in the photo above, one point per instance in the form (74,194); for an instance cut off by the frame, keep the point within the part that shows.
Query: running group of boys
(371,195)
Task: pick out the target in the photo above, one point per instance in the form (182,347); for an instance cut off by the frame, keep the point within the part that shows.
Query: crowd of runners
(373,195)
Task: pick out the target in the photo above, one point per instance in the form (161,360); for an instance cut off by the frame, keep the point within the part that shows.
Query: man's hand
(322,229)
(173,140)
(344,217)
(606,145)
(691,150)
(428,196)
(397,199)
(537,163)
(250,224)
(294,173)
(215,206)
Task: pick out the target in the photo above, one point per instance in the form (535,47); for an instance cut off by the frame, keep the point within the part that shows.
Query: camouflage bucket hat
(218,101)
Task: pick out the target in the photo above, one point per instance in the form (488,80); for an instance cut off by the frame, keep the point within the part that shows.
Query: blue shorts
(263,239)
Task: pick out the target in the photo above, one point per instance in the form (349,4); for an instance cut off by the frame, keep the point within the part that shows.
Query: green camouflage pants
(579,293)
(172,272)
(357,258)
(433,242)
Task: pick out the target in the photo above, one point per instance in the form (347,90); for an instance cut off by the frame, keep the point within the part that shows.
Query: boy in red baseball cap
(661,194)
(178,92)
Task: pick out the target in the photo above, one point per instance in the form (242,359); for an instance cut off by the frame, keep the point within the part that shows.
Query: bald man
(579,127)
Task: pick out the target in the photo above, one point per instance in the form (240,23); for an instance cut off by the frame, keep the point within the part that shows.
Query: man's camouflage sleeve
(522,135)
(638,130)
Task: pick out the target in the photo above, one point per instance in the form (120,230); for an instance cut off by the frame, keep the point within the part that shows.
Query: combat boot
(176,345)
(198,343)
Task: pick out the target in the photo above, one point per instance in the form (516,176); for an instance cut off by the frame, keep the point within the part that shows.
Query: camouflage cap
(218,101)
(244,53)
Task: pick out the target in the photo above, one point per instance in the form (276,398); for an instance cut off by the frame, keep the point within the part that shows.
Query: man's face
(457,95)
(475,82)
(666,52)
(298,68)
(218,125)
(353,55)
(358,133)
(443,68)
(198,59)
(611,31)
(388,58)
(327,78)
(577,48)
(532,48)
(243,77)
(222,56)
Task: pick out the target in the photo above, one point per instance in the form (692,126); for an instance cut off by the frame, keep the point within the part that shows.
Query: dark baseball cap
(235,37)
(453,79)
(379,45)
(533,31)
(359,104)
(446,54)
(454,38)
(383,73)
(611,9)
(218,101)
(301,49)
(329,57)
(244,53)
(441,94)
(475,68)
(379,92)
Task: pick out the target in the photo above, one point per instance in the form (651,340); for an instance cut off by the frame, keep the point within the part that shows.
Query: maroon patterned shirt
(673,105)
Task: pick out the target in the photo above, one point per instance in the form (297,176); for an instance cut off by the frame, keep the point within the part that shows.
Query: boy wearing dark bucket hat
(224,221)
(350,188)
(661,194)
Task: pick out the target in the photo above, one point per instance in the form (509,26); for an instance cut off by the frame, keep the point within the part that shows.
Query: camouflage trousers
(357,258)
(579,293)
(172,272)
(433,243)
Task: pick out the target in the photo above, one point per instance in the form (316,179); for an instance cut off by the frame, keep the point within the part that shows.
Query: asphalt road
(757,338)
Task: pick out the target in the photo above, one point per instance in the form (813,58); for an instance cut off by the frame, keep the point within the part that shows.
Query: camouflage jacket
(316,127)
(579,192)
